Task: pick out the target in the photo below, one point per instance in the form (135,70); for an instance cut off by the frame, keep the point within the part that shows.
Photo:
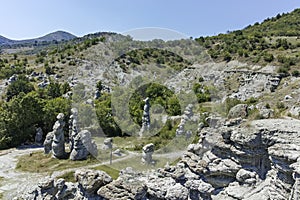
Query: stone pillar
(73,128)
(146,115)
(148,150)
(58,144)
(39,136)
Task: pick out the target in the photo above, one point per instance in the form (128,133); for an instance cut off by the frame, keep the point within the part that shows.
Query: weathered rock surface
(83,146)
(148,150)
(90,181)
(230,161)
(237,111)
(58,143)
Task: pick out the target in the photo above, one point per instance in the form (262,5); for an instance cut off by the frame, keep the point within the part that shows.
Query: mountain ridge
(53,36)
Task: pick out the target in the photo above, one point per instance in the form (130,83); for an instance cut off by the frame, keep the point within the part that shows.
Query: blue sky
(22,19)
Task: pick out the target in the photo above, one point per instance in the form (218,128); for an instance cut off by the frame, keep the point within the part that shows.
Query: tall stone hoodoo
(146,115)
(73,127)
(58,144)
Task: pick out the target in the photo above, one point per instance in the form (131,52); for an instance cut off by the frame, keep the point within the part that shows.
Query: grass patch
(39,162)
(68,176)
(110,171)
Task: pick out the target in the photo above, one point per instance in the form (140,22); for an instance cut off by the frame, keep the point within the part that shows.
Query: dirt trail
(15,182)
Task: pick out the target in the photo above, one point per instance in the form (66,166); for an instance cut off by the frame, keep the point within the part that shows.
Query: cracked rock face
(83,146)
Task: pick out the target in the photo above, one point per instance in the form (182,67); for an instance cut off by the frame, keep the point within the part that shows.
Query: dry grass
(38,162)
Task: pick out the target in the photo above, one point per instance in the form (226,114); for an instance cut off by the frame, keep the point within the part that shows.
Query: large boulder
(90,180)
(83,146)
(237,111)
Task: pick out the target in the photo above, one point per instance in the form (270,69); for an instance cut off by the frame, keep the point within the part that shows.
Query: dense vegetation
(274,41)
(152,55)
(25,106)
(28,109)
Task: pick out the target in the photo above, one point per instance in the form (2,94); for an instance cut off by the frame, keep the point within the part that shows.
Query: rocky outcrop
(253,83)
(237,111)
(83,146)
(230,161)
(90,181)
(52,189)
(73,127)
(48,142)
(58,143)
(39,136)
(146,116)
(148,150)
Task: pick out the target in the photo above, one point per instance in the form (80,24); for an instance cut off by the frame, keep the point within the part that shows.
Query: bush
(295,73)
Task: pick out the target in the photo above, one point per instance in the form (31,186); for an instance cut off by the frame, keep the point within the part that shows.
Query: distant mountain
(55,36)
(4,40)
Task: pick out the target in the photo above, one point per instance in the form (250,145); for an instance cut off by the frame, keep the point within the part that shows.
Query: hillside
(220,114)
(273,42)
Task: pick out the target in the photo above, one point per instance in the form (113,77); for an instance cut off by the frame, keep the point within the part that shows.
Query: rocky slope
(232,160)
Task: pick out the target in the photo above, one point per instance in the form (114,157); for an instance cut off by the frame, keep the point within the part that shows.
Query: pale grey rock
(295,110)
(83,146)
(73,127)
(51,189)
(177,192)
(266,113)
(244,176)
(148,150)
(237,111)
(58,143)
(124,189)
(146,116)
(107,144)
(90,180)
(39,136)
(48,142)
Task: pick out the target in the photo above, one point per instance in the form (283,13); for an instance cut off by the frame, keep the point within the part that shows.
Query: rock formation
(73,127)
(48,142)
(107,144)
(83,146)
(237,111)
(39,136)
(148,150)
(146,115)
(230,161)
(58,144)
(88,183)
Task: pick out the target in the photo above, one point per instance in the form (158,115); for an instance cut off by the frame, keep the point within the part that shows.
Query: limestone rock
(123,189)
(39,136)
(148,150)
(246,177)
(48,143)
(90,181)
(237,111)
(58,144)
(107,144)
(83,146)
(266,113)
(146,116)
